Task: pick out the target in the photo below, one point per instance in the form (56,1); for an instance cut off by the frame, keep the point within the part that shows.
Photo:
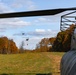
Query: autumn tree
(12,47)
(21,47)
(63,40)
(43,45)
(7,46)
(51,40)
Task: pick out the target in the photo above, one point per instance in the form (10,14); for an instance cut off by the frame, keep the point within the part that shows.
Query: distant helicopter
(22,34)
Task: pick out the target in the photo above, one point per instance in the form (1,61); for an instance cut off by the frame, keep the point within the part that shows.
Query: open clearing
(31,63)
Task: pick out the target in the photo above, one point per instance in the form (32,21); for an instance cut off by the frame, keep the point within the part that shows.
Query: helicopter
(68,61)
(22,34)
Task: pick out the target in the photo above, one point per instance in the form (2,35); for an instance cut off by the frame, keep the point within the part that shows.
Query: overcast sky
(35,28)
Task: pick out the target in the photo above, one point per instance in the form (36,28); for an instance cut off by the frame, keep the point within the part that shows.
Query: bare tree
(22,47)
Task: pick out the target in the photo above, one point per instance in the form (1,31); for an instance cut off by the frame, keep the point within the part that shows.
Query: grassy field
(31,63)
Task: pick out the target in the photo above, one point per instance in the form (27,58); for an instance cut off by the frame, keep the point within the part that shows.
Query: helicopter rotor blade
(35,13)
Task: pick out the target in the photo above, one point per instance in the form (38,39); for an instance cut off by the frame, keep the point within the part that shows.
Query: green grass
(30,63)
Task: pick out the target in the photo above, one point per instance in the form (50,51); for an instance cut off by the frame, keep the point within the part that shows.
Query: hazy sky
(35,28)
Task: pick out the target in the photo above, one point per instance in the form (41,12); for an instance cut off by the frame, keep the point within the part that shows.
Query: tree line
(60,43)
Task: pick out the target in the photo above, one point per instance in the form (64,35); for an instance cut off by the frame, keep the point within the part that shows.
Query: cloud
(42,20)
(27,4)
(31,5)
(40,30)
(55,19)
(48,19)
(4,8)
(13,23)
(2,30)
(43,33)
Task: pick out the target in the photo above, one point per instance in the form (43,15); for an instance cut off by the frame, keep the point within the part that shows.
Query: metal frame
(66,21)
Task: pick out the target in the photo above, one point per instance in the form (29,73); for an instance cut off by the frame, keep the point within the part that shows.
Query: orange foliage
(63,40)
(7,46)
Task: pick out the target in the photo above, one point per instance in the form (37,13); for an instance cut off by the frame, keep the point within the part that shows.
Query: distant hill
(63,40)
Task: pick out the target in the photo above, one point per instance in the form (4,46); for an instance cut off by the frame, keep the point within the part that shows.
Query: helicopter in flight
(22,34)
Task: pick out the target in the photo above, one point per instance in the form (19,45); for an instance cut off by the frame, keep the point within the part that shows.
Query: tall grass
(30,63)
